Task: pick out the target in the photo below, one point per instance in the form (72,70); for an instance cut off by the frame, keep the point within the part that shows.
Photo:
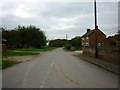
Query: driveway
(58,69)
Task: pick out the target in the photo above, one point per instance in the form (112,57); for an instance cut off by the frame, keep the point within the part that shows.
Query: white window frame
(83,44)
(83,38)
(87,44)
(99,44)
(87,37)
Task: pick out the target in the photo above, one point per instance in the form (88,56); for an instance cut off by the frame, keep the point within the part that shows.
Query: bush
(67,47)
(58,43)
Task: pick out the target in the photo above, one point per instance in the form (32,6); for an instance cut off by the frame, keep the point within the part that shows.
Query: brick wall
(107,53)
(90,51)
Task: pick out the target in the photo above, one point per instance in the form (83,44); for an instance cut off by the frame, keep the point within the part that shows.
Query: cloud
(21,11)
(58,19)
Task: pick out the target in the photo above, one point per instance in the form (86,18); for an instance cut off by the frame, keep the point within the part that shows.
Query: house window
(87,37)
(83,38)
(82,44)
(87,44)
(99,44)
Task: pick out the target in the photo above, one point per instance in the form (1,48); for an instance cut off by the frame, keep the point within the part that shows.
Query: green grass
(7,63)
(78,49)
(11,53)
(0,64)
(37,50)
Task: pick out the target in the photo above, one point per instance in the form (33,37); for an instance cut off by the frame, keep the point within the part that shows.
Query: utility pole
(96,27)
(66,36)
(95,12)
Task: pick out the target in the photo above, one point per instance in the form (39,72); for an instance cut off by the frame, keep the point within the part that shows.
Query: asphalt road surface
(58,69)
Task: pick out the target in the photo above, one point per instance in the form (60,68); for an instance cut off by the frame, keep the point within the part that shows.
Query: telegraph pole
(66,36)
(95,12)
(96,27)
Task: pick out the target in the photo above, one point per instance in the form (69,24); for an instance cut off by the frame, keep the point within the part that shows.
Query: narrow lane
(57,69)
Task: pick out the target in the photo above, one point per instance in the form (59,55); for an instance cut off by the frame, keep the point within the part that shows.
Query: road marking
(51,65)
(41,86)
(43,83)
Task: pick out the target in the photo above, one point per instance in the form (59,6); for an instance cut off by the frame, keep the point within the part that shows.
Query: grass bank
(7,63)
(0,64)
(37,50)
(78,49)
(11,53)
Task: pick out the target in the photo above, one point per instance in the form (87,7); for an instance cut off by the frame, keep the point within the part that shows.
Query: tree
(32,36)
(13,39)
(58,43)
(76,41)
(25,37)
(119,35)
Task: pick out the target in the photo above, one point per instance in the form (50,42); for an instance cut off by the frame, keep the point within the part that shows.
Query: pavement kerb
(99,65)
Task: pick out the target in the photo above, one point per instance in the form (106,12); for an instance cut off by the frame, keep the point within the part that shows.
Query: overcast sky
(59,18)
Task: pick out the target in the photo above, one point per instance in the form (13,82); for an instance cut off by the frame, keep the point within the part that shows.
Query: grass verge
(0,64)
(78,49)
(7,63)
(37,50)
(11,53)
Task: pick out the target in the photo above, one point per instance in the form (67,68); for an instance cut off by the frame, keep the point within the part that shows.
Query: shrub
(67,47)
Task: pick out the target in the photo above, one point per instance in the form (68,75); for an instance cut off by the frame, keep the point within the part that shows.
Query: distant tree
(76,41)
(0,35)
(119,35)
(58,42)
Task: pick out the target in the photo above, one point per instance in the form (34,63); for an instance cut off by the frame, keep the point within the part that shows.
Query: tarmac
(114,68)
(103,64)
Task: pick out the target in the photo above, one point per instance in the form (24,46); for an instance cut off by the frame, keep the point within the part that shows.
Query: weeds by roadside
(7,63)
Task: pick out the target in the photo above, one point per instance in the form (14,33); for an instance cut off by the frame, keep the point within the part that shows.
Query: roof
(113,38)
(88,33)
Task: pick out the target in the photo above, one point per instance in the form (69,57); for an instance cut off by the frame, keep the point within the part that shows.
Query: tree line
(75,42)
(57,42)
(24,37)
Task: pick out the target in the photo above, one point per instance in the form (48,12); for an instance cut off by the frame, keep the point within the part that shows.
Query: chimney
(88,30)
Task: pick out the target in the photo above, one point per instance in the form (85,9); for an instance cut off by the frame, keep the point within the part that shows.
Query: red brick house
(89,41)
(89,38)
